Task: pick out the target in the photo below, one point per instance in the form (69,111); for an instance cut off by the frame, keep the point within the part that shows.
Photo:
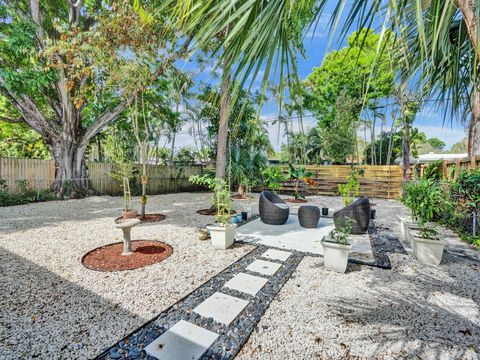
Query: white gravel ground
(409,312)
(51,307)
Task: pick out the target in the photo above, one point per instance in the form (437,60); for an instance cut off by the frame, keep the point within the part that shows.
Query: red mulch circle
(109,257)
(149,218)
(211,212)
(297,201)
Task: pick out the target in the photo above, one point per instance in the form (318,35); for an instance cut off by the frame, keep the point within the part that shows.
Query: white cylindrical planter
(223,236)
(335,256)
(429,251)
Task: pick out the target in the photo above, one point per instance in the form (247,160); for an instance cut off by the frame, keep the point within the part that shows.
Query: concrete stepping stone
(221,308)
(273,254)
(248,284)
(264,267)
(183,340)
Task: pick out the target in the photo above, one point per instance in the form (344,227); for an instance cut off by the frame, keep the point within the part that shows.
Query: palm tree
(443,39)
(180,85)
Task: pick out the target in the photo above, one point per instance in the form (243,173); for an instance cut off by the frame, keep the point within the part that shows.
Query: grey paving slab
(274,254)
(246,283)
(264,267)
(183,340)
(221,307)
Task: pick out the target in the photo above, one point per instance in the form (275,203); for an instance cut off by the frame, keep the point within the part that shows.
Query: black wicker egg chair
(358,212)
(273,210)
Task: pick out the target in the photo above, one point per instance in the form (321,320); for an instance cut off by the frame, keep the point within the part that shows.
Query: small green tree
(351,189)
(339,139)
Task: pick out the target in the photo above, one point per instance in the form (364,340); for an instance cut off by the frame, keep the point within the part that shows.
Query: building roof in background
(433,157)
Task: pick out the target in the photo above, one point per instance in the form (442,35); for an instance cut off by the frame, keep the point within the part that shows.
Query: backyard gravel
(408,312)
(52,307)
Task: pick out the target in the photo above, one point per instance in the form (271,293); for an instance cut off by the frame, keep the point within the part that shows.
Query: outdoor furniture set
(275,211)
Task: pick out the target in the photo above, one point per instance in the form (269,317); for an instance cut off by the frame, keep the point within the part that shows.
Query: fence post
(38,190)
(474,227)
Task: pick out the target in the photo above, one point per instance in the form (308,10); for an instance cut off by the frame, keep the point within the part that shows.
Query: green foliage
(380,147)
(342,232)
(222,201)
(339,137)
(351,190)
(24,193)
(208,180)
(467,188)
(428,232)
(460,147)
(436,143)
(20,141)
(247,133)
(349,72)
(298,174)
(433,171)
(245,166)
(426,199)
(273,178)
(186,156)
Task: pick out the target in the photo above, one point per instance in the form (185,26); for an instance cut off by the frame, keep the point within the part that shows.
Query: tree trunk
(474,126)
(172,149)
(469,9)
(71,173)
(99,149)
(406,149)
(221,163)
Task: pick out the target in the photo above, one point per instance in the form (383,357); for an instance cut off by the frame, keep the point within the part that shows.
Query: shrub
(273,178)
(426,199)
(434,171)
(467,188)
(351,189)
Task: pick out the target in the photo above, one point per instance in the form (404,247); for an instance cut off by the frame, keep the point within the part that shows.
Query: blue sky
(430,119)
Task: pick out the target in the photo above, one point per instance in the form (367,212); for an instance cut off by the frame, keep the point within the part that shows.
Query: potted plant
(222,232)
(427,201)
(427,246)
(337,247)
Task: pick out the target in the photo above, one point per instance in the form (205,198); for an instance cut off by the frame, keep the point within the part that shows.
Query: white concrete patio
(291,236)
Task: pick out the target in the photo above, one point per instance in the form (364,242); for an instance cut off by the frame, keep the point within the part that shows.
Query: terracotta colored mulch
(297,201)
(149,218)
(211,212)
(109,257)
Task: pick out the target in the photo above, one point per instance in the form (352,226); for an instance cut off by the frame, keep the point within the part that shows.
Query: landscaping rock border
(231,337)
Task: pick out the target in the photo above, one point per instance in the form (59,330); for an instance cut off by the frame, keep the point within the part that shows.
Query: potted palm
(337,247)
(222,232)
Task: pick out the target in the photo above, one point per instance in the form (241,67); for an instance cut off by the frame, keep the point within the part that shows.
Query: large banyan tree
(69,68)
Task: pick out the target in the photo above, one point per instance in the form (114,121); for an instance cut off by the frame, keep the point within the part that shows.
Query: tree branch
(37,19)
(29,112)
(111,114)
(12,121)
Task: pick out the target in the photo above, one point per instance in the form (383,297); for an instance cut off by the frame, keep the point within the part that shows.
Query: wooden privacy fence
(377,181)
(452,168)
(161,179)
(40,175)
